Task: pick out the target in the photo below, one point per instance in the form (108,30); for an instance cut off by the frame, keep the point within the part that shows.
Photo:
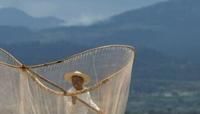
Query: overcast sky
(76,11)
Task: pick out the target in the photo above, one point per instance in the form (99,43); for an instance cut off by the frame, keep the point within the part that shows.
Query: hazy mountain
(171,27)
(9,35)
(15,17)
(174,26)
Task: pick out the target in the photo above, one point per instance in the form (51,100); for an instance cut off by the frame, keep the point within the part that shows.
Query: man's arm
(87,104)
(94,105)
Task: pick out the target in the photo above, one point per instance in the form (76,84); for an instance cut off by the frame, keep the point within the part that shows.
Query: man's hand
(100,112)
(73,99)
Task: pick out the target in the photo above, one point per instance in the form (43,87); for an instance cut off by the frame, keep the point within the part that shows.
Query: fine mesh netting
(5,57)
(41,89)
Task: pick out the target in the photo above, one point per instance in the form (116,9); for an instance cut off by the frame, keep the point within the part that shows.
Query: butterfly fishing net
(41,89)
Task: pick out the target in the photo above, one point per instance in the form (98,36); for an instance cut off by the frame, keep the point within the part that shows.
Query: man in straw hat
(78,80)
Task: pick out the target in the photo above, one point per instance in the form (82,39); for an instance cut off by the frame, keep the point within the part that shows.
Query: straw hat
(68,76)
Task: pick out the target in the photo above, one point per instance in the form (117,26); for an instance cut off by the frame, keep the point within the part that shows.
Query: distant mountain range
(14,17)
(166,36)
(171,27)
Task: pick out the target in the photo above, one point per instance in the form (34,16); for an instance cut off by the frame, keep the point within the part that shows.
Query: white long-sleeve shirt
(78,107)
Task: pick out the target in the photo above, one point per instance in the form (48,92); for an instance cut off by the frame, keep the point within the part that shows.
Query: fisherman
(73,106)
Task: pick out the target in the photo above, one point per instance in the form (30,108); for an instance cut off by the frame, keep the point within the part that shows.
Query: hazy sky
(76,11)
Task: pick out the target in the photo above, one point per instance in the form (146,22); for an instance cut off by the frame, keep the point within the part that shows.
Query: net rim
(81,53)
